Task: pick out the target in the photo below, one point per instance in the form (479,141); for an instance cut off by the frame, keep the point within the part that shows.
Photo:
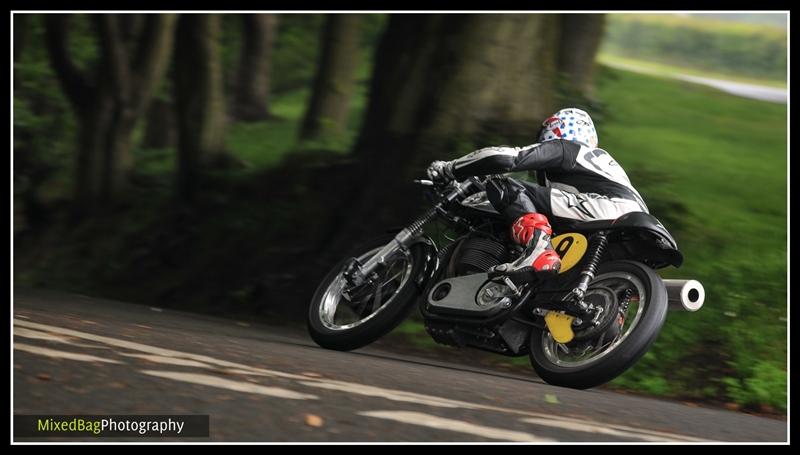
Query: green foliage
(43,123)
(738,48)
(297,47)
(83,47)
(698,151)
(765,385)
(263,144)
(296,50)
(372,26)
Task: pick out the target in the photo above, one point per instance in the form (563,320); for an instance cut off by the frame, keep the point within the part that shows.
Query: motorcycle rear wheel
(580,365)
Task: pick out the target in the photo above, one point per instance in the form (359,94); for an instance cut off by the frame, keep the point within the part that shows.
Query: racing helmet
(570,124)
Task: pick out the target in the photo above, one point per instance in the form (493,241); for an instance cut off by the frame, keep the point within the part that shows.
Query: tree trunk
(252,90)
(442,86)
(21,34)
(103,155)
(581,35)
(160,130)
(110,99)
(335,79)
(199,97)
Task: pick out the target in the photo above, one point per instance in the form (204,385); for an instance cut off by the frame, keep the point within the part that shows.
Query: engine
(465,278)
(510,338)
(476,254)
(455,295)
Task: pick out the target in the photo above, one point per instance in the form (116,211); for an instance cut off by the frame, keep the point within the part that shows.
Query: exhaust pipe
(685,295)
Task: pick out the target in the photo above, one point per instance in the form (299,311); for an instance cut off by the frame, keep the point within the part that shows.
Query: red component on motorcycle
(523,229)
(548,260)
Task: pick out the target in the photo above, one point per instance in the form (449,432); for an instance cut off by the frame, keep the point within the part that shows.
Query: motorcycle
(581,328)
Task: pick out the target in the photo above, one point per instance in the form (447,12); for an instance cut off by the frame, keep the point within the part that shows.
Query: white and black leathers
(586,183)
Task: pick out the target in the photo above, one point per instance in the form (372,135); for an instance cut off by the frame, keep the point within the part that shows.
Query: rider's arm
(500,160)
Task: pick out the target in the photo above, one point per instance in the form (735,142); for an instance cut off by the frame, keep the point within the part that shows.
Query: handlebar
(471,180)
(452,189)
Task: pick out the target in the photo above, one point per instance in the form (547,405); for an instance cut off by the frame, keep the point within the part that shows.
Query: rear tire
(622,356)
(382,321)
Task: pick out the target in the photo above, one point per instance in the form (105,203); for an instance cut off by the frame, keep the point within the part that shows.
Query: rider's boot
(539,260)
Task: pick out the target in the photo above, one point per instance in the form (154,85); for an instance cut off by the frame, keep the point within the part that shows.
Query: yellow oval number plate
(560,326)
(570,247)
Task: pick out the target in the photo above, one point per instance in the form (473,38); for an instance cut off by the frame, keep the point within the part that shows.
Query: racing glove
(441,171)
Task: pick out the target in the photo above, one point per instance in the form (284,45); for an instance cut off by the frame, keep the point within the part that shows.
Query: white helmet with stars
(570,124)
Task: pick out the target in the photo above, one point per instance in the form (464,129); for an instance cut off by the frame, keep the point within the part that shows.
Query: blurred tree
(21,34)
(335,77)
(199,97)
(443,85)
(110,97)
(31,169)
(160,130)
(255,64)
(296,52)
(581,35)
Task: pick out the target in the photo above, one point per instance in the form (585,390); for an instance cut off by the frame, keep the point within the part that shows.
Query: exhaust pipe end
(685,295)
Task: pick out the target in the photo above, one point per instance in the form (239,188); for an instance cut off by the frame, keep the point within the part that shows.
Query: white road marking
(628,431)
(169,360)
(37,335)
(542,419)
(394,395)
(348,387)
(585,427)
(214,381)
(248,372)
(56,354)
(441,423)
(133,346)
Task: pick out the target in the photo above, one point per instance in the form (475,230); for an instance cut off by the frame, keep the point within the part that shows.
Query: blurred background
(221,163)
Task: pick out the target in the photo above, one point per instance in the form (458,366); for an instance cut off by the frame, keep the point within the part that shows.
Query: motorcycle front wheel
(635,300)
(344,318)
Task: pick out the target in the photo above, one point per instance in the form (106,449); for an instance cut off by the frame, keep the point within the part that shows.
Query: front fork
(356,273)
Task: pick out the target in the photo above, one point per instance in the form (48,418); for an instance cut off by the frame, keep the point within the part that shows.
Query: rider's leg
(529,226)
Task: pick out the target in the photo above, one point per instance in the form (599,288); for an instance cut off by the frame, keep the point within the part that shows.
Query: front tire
(565,365)
(332,330)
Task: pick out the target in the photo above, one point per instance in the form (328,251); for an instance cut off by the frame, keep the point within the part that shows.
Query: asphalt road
(78,355)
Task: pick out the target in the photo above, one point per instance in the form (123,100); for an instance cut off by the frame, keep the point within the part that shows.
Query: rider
(586,184)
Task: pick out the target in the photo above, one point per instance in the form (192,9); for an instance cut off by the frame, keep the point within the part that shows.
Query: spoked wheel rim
(336,313)
(576,354)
